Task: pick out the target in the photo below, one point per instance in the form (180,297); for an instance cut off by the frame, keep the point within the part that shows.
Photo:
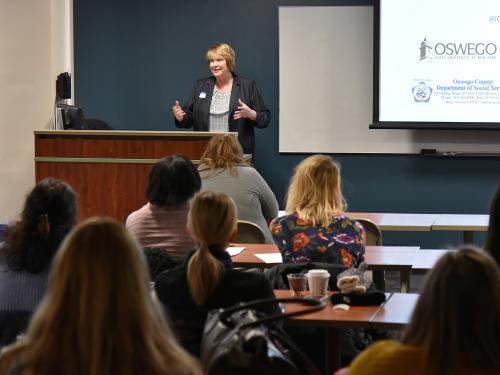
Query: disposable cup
(298,284)
(318,282)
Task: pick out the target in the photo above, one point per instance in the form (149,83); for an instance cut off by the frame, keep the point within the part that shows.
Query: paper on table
(234,250)
(270,258)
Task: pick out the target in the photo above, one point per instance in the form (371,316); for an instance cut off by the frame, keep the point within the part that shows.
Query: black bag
(240,340)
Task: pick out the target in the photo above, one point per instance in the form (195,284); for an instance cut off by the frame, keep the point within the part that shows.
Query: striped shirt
(155,226)
(219,111)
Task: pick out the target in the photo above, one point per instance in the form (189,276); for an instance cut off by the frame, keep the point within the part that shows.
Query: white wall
(34,48)
(326,71)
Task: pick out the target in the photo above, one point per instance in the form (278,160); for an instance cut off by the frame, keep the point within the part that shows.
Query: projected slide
(439,61)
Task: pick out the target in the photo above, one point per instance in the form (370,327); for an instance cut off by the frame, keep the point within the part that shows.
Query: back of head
(98,298)
(315,190)
(48,215)
(223,152)
(457,314)
(172,180)
(493,236)
(211,222)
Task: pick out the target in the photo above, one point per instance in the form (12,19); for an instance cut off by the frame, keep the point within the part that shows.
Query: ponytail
(211,221)
(204,274)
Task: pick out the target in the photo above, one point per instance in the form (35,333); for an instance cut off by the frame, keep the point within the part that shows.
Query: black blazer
(197,109)
(188,319)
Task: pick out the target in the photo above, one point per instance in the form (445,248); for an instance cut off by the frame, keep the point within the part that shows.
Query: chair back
(373,232)
(249,232)
(96,124)
(374,238)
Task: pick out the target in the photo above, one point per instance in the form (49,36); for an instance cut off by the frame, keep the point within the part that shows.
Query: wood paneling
(107,187)
(119,147)
(113,190)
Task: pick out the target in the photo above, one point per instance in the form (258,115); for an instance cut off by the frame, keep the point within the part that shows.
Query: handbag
(240,340)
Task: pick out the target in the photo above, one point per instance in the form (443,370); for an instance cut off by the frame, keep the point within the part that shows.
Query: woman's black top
(188,319)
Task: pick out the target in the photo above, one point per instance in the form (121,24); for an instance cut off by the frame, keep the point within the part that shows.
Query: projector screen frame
(412,125)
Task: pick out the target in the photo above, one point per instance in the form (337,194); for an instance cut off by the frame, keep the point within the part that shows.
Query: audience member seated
(223,169)
(206,280)
(48,215)
(492,245)
(162,221)
(98,316)
(316,228)
(455,327)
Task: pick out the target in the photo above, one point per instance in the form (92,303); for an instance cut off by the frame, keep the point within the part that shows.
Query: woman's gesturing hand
(244,111)
(178,112)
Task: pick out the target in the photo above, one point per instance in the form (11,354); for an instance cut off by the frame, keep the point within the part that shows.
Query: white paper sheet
(234,250)
(270,258)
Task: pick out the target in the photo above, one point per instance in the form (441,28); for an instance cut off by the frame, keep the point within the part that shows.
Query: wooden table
(378,258)
(467,223)
(426,259)
(395,313)
(392,258)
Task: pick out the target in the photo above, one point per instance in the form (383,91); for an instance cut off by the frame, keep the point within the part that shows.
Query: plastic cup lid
(318,273)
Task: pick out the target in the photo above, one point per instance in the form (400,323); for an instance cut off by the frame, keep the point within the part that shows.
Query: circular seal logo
(421,92)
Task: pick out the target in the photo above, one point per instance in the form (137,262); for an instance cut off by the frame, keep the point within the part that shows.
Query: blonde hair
(98,316)
(222,152)
(225,51)
(315,190)
(211,221)
(458,314)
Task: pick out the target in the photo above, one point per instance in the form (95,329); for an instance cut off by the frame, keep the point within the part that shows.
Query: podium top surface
(130,133)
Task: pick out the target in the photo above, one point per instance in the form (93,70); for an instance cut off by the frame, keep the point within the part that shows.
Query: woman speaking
(224,102)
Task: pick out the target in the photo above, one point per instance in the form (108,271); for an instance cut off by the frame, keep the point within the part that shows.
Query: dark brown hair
(48,215)
(457,317)
(172,180)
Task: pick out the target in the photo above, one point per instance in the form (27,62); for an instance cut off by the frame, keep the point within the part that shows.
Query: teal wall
(133,59)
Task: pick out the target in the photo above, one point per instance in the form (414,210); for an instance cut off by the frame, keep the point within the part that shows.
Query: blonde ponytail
(211,221)
(204,274)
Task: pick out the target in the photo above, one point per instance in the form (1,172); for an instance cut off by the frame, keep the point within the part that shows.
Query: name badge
(203,95)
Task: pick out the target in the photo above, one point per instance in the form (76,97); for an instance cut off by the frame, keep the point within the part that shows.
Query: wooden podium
(109,169)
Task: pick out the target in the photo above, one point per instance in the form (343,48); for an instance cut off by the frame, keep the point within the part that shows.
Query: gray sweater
(253,197)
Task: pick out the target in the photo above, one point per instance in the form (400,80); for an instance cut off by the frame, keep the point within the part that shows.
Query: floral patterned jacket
(341,242)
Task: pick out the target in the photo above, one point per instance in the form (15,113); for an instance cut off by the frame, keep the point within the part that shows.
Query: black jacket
(187,318)
(197,109)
